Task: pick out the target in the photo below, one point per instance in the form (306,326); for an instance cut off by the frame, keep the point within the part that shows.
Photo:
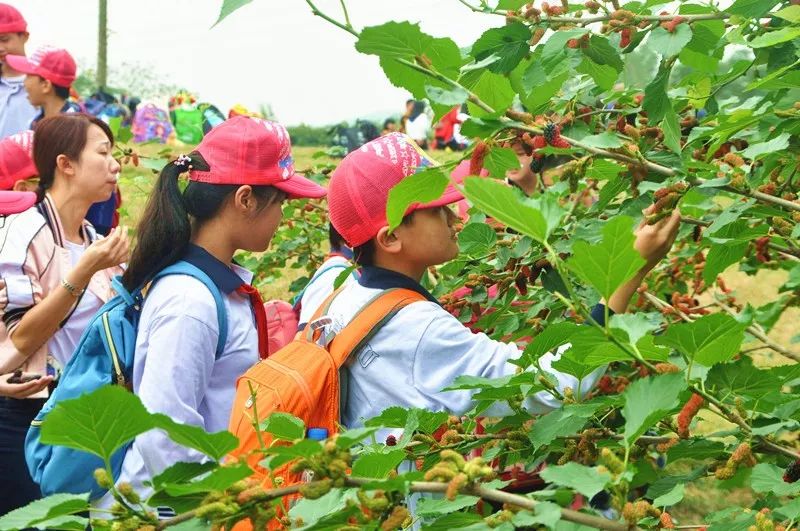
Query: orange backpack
(302,379)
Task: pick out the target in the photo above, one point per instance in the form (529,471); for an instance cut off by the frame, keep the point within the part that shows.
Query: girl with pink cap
(237,179)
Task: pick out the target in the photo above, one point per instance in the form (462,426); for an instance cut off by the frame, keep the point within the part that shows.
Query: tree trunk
(102,45)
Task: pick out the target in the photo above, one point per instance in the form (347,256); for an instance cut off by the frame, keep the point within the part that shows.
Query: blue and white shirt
(16,112)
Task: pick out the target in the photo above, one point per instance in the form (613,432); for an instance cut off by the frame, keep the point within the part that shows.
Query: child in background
(16,112)
(239,175)
(50,73)
(423,347)
(321,284)
(17,170)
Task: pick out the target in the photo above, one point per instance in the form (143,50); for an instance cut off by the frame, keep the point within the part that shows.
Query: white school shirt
(419,128)
(175,370)
(321,285)
(420,351)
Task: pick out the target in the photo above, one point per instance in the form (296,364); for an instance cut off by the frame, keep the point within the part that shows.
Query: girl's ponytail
(164,230)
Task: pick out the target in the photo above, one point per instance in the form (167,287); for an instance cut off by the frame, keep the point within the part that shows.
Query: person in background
(389,126)
(406,114)
(444,134)
(17,171)
(49,74)
(55,273)
(16,112)
(418,125)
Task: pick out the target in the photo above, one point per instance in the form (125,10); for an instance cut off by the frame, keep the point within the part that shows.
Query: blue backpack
(104,355)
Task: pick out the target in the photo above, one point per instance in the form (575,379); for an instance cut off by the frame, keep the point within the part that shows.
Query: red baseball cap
(15,202)
(359,187)
(53,64)
(11,20)
(16,159)
(254,151)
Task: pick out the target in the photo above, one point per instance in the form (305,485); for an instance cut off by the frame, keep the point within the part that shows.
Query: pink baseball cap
(16,159)
(11,20)
(359,187)
(53,64)
(254,151)
(15,202)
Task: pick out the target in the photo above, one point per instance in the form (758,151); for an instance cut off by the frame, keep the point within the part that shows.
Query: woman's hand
(22,390)
(102,254)
(654,241)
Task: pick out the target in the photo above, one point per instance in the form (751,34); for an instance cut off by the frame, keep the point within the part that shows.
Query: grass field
(702,497)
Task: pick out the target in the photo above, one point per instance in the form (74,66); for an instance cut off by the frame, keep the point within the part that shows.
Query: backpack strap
(369,320)
(185,268)
(319,273)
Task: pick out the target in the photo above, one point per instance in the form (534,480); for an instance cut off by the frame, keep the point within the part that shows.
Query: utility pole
(102,45)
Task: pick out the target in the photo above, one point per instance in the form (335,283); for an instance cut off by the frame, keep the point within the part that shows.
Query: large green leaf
(776,37)
(611,263)
(493,89)
(499,160)
(422,187)
(284,426)
(533,217)
(767,477)
(709,340)
(377,465)
(601,52)
(583,479)
(476,239)
(219,479)
(669,44)
(741,378)
(647,401)
(563,421)
(214,445)
(510,43)
(93,422)
(46,509)
(228,7)
(603,75)
(404,40)
(756,151)
(656,102)
(751,8)
(432,507)
(553,336)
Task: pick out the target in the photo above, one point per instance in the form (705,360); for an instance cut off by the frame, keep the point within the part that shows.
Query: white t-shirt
(63,343)
(321,285)
(419,128)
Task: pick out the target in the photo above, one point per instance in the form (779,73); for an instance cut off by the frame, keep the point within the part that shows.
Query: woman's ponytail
(164,229)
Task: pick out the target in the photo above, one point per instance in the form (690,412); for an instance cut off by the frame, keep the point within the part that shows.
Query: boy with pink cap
(16,112)
(50,73)
(17,190)
(424,348)
(238,177)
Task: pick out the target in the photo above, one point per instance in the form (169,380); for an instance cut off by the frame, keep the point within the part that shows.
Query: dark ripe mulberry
(391,440)
(521,282)
(792,472)
(537,163)
(552,135)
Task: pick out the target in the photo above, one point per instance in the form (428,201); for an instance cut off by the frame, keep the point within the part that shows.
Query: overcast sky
(270,51)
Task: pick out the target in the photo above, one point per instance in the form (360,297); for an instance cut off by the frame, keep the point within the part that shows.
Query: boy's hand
(654,241)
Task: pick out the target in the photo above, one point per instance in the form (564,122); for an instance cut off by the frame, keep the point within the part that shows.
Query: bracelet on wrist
(72,290)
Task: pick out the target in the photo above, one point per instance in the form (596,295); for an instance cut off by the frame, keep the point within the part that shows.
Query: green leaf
(452,96)
(790,13)
(284,426)
(741,378)
(779,36)
(499,160)
(553,336)
(476,239)
(696,449)
(547,514)
(215,445)
(712,339)
(180,472)
(635,325)
(228,7)
(510,43)
(511,4)
(756,151)
(767,477)
(218,480)
(585,480)
(656,102)
(403,40)
(93,423)
(44,509)
(719,257)
(422,187)
(672,131)
(405,77)
(647,401)
(672,497)
(603,140)
(377,465)
(542,94)
(790,511)
(751,8)
(603,75)
(493,89)
(669,44)
(564,421)
(610,264)
(601,52)
(533,217)
(349,438)
(311,511)
(454,520)
(433,507)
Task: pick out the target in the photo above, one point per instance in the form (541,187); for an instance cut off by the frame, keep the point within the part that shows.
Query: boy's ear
(243,199)
(388,242)
(47,87)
